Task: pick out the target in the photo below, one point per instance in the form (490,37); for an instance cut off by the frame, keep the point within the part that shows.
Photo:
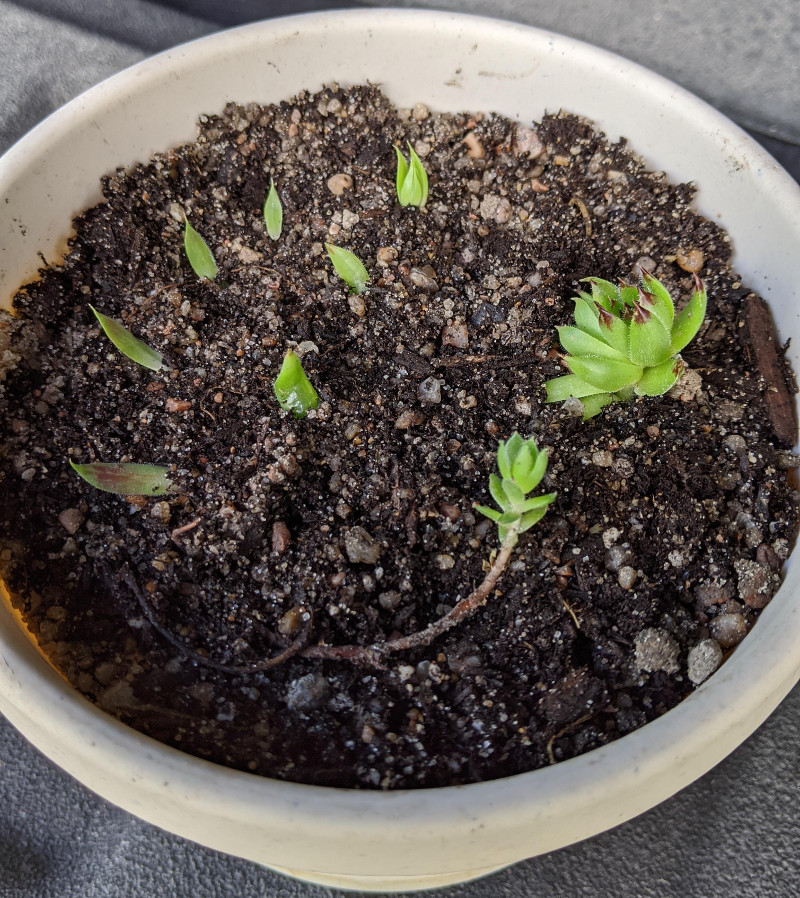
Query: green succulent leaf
(655,297)
(657,380)
(615,332)
(578,342)
(197,252)
(411,181)
(537,502)
(515,495)
(534,478)
(604,293)
(522,466)
(349,267)
(649,339)
(689,319)
(125,479)
(503,460)
(273,212)
(293,389)
(127,344)
(586,315)
(606,375)
(497,491)
(530,518)
(593,405)
(514,444)
(568,385)
(492,513)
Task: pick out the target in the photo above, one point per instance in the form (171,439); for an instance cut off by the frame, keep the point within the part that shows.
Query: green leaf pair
(411,181)
(625,343)
(522,467)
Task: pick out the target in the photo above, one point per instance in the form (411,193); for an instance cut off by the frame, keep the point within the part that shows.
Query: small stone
(626,577)
(691,260)
(495,208)
(357,305)
(424,279)
(455,335)
(713,593)
(422,148)
(688,386)
(616,556)
(290,622)
(430,390)
(603,458)
(526,142)
(160,511)
(656,650)
(386,254)
(445,562)
(756,582)
(349,219)
(389,600)
(610,536)
(475,148)
(71,520)
(177,405)
(249,256)
(573,407)
(728,629)
(420,112)
(361,547)
(338,183)
(307,692)
(408,418)
(281,537)
(735,443)
(704,658)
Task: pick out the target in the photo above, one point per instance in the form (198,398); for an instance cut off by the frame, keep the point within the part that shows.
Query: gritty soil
(355,524)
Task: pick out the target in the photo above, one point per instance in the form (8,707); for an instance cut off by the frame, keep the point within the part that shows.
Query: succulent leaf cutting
(349,267)
(626,342)
(127,344)
(125,479)
(411,181)
(273,213)
(198,253)
(522,466)
(293,389)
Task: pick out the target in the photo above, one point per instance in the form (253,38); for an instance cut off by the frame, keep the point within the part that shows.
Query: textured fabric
(733,833)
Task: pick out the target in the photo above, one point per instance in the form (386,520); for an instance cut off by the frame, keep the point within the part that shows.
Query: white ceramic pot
(403,840)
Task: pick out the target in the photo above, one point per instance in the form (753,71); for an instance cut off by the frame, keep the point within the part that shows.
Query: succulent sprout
(349,267)
(293,389)
(127,344)
(125,479)
(273,212)
(411,181)
(625,343)
(522,467)
(198,253)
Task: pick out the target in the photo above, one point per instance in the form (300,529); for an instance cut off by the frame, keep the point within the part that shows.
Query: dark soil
(355,524)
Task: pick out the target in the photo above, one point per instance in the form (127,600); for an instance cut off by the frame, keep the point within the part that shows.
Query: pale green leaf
(402,171)
(197,252)
(513,445)
(349,267)
(615,332)
(688,321)
(649,340)
(514,493)
(503,461)
(568,385)
(490,513)
(606,375)
(537,472)
(127,344)
(273,212)
(537,502)
(411,180)
(125,479)
(656,299)
(293,389)
(604,293)
(497,491)
(578,342)
(531,517)
(592,405)
(522,466)
(657,380)
(586,315)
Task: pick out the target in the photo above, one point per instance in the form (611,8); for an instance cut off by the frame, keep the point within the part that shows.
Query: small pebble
(338,183)
(307,692)
(357,305)
(495,208)
(408,418)
(281,537)
(691,260)
(361,547)
(610,536)
(573,407)
(656,650)
(455,335)
(160,511)
(756,582)
(445,562)
(688,386)
(728,629)
(526,142)
(71,520)
(616,556)
(386,254)
(424,279)
(177,405)
(475,148)
(626,577)
(704,658)
(430,390)
(603,458)
(420,112)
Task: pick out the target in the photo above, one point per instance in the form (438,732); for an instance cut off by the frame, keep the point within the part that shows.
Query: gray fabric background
(736,832)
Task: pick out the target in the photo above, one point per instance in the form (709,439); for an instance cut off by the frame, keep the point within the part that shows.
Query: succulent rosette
(626,342)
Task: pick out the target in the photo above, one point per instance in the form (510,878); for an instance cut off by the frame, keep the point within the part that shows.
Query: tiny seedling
(197,252)
(293,389)
(127,344)
(522,467)
(625,343)
(349,267)
(125,479)
(273,212)
(412,180)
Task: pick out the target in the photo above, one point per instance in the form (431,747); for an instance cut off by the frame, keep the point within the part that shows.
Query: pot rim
(709,723)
